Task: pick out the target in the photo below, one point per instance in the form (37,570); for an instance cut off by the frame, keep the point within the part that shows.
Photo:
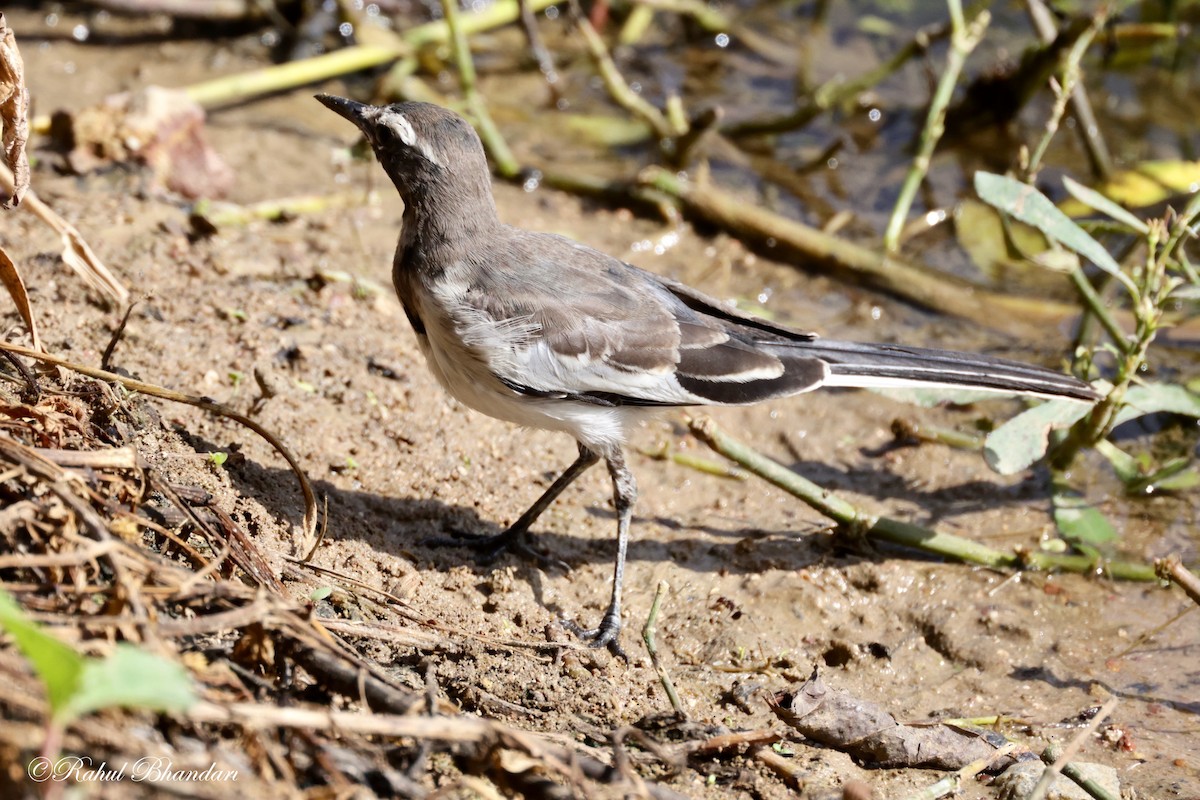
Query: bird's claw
(606,634)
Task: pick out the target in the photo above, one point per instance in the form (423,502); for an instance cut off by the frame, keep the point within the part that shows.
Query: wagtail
(536,329)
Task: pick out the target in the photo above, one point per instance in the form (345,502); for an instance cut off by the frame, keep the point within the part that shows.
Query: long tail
(861,365)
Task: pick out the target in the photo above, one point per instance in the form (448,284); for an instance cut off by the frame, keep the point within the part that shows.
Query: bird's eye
(383,135)
(394,128)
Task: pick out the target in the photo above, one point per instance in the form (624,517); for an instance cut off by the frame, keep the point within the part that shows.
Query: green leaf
(1126,467)
(1145,184)
(1027,204)
(320,593)
(1081,523)
(56,663)
(1186,291)
(1156,398)
(1181,481)
(1094,200)
(1139,476)
(934,397)
(132,678)
(1023,439)
(1170,474)
(76,685)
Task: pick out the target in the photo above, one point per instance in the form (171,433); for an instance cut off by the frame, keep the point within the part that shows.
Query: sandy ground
(760,588)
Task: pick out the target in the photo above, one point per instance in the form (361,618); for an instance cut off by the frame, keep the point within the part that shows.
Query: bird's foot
(491,547)
(606,634)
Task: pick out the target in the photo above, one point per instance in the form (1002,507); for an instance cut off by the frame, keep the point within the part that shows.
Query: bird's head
(425,149)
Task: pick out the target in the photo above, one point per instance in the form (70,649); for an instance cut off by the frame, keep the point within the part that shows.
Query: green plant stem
(837,91)
(959,440)
(886,529)
(1089,129)
(243,86)
(645,199)
(697,132)
(493,140)
(636,25)
(963,40)
(1093,427)
(1095,310)
(689,460)
(1057,758)
(1094,304)
(648,634)
(1071,770)
(537,47)
(494,15)
(957,21)
(616,85)
(713,20)
(1150,289)
(1065,91)
(1181,229)
(402,83)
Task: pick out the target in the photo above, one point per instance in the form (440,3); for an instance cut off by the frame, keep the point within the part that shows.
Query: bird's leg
(607,633)
(510,538)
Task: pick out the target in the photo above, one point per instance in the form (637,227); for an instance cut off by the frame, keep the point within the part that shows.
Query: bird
(537,329)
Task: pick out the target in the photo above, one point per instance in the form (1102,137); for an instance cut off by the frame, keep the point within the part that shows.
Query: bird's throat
(434,238)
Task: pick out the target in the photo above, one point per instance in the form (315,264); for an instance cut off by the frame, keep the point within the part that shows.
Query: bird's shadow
(407,526)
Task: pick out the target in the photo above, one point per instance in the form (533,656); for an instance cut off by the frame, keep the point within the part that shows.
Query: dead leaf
(160,128)
(14,176)
(10,276)
(1145,184)
(872,736)
(14,113)
(54,418)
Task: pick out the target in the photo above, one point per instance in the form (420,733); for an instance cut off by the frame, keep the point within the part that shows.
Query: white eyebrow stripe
(408,136)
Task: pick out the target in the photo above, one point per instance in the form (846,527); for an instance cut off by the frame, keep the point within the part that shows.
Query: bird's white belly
(463,372)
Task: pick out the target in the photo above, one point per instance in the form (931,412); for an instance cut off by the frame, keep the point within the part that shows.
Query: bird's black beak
(346,108)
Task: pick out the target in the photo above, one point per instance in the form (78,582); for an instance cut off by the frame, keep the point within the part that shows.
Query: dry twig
(205,403)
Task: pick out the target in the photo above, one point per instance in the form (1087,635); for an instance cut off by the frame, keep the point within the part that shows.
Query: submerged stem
(963,40)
